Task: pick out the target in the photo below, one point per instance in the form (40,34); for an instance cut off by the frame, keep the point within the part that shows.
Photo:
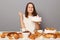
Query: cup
(25,35)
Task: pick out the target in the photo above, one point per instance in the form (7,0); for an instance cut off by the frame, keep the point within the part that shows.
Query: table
(39,38)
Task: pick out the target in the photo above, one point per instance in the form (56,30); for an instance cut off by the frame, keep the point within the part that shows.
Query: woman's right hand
(22,25)
(20,13)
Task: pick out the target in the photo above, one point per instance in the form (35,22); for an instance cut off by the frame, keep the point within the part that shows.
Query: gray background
(49,10)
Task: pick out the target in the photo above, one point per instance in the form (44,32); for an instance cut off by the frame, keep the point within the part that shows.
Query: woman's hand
(20,14)
(21,19)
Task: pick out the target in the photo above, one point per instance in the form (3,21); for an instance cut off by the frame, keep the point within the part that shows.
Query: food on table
(58,34)
(26,32)
(4,34)
(16,35)
(49,35)
(20,35)
(38,34)
(47,28)
(35,35)
(11,35)
(40,31)
(50,30)
(32,36)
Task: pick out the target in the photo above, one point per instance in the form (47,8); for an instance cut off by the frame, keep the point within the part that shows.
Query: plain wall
(49,10)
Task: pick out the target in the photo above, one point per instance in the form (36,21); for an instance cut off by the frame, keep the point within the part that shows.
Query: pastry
(20,35)
(58,34)
(35,35)
(16,35)
(32,36)
(10,35)
(50,30)
(47,28)
(49,35)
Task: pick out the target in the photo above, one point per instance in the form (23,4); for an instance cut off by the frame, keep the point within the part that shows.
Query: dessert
(20,35)
(32,36)
(58,34)
(16,35)
(49,35)
(10,35)
(50,30)
(35,35)
(4,34)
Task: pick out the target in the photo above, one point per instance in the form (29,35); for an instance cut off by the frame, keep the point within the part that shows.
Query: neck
(30,14)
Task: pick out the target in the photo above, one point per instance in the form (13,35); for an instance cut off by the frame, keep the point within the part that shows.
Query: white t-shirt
(29,24)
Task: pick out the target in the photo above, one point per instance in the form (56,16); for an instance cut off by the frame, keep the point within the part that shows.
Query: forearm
(22,24)
(37,26)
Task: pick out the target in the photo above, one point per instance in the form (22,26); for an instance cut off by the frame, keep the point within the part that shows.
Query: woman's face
(30,8)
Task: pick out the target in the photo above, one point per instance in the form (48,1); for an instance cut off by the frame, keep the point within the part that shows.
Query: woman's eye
(28,7)
(31,7)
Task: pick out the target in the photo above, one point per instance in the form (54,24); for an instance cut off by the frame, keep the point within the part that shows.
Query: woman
(25,19)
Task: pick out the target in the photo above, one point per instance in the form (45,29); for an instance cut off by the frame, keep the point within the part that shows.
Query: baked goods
(49,35)
(16,35)
(26,32)
(50,30)
(10,35)
(40,31)
(47,28)
(35,35)
(4,34)
(20,35)
(58,34)
(32,36)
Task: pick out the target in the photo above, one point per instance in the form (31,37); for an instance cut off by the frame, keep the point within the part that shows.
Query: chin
(30,12)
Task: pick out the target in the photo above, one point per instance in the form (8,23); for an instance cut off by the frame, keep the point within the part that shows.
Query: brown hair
(34,11)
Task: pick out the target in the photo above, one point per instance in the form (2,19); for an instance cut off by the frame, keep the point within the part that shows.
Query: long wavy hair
(34,13)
